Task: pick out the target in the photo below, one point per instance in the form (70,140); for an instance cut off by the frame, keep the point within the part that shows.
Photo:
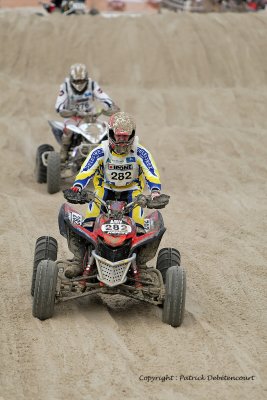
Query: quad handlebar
(85,115)
(89,116)
(141,200)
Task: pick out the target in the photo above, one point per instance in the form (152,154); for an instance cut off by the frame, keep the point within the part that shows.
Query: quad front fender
(70,220)
(147,244)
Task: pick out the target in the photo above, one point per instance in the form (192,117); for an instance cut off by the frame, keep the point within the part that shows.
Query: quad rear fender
(147,245)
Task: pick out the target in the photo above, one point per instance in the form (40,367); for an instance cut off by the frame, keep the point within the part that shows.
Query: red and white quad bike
(115,258)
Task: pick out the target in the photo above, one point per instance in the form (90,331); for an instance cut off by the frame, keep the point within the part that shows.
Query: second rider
(76,97)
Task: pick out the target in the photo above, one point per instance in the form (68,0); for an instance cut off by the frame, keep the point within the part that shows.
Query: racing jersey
(68,99)
(119,172)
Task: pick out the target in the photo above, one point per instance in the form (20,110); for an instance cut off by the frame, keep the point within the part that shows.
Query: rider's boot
(64,152)
(82,283)
(75,268)
(66,141)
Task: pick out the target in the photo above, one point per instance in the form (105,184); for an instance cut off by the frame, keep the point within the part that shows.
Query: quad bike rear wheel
(40,168)
(167,257)
(175,291)
(45,290)
(45,249)
(53,172)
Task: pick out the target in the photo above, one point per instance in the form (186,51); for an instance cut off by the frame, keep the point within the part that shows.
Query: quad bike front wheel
(167,257)
(175,291)
(45,290)
(40,168)
(53,172)
(45,249)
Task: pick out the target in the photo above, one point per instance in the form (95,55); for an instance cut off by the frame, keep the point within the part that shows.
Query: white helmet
(78,77)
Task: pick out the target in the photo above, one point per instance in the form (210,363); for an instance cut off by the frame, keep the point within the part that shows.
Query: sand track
(197,86)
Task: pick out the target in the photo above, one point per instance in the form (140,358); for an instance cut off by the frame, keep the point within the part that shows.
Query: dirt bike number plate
(116,228)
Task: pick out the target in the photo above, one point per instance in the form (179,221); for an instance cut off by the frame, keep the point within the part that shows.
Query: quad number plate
(116,228)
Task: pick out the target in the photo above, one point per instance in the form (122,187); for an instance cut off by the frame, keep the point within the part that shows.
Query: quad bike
(115,258)
(48,166)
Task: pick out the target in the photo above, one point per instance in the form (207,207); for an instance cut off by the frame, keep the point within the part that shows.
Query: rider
(76,96)
(119,168)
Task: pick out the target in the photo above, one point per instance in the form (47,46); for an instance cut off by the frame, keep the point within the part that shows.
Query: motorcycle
(89,134)
(115,258)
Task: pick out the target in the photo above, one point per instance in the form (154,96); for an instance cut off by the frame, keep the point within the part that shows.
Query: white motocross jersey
(68,99)
(120,171)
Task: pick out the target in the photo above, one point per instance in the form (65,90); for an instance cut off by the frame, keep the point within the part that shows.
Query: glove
(98,111)
(72,195)
(141,200)
(68,113)
(115,108)
(154,194)
(112,110)
(82,114)
(75,189)
(76,195)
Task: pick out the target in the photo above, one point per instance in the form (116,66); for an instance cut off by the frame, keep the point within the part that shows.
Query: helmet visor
(122,148)
(79,84)
(123,142)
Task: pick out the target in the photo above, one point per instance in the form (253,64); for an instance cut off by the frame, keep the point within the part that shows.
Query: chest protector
(81,101)
(120,171)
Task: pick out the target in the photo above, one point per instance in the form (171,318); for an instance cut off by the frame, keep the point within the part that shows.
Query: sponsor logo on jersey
(130,159)
(143,154)
(120,167)
(95,155)
(87,94)
(82,100)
